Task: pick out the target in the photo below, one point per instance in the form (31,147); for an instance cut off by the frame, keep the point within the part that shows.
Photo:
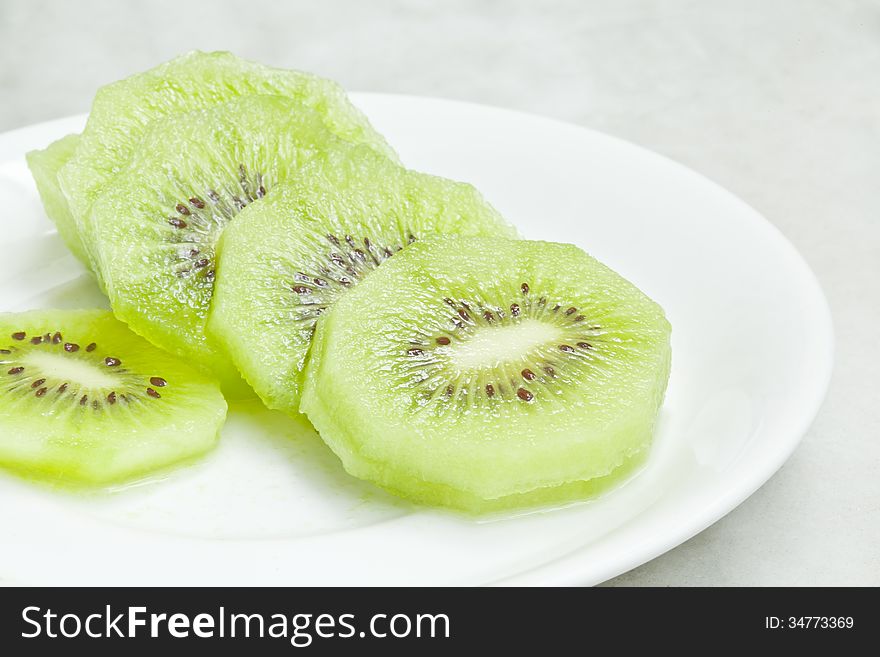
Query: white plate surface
(752,355)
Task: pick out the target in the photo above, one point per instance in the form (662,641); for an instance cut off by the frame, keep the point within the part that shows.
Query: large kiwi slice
(154,229)
(45,165)
(122,112)
(483,374)
(285,260)
(85,400)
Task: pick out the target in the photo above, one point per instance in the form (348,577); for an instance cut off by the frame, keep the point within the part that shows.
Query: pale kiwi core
(496,345)
(59,366)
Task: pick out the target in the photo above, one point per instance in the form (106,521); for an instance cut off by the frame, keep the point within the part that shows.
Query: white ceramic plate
(752,354)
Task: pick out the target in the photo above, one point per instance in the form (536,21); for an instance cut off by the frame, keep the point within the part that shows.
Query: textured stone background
(777,100)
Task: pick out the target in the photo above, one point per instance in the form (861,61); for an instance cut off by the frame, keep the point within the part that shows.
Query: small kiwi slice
(85,400)
(285,260)
(123,110)
(484,374)
(45,165)
(154,229)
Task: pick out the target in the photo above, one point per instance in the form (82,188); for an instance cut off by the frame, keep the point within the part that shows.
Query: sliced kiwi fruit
(154,229)
(285,260)
(484,374)
(45,165)
(86,401)
(123,110)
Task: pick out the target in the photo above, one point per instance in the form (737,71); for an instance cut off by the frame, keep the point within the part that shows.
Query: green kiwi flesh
(122,112)
(284,261)
(485,374)
(86,401)
(45,165)
(154,230)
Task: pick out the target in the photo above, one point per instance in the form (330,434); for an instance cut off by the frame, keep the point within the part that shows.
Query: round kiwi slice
(45,165)
(85,400)
(285,260)
(154,229)
(485,374)
(123,110)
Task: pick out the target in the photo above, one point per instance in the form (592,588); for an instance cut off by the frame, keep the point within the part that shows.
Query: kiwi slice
(122,112)
(484,374)
(45,165)
(154,229)
(285,260)
(85,400)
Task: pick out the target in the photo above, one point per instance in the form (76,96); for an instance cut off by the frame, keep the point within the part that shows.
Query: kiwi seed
(525,395)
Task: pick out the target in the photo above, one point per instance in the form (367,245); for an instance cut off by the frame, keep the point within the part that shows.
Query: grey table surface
(777,100)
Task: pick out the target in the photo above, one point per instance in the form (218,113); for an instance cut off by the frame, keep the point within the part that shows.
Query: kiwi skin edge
(540,499)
